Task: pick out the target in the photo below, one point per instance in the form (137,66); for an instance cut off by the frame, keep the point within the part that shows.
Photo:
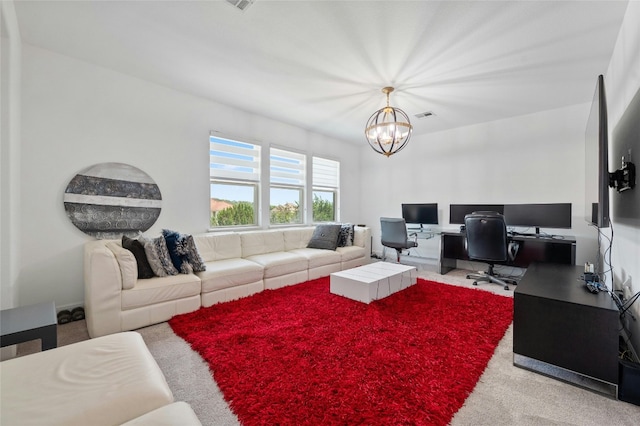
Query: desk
(531,249)
(428,245)
(31,322)
(558,322)
(423,233)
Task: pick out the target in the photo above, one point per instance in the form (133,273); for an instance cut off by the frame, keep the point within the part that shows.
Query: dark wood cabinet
(557,322)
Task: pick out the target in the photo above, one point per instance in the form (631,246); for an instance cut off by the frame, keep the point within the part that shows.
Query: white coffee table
(373,281)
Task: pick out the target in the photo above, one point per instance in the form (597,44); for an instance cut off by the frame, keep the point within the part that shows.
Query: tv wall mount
(624,178)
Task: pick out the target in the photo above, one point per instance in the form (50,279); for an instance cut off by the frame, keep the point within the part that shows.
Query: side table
(24,323)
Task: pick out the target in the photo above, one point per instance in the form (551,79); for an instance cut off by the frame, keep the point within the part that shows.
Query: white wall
(537,158)
(528,159)
(76,114)
(10,63)
(622,81)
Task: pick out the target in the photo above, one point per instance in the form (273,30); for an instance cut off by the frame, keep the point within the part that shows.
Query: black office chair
(486,240)
(394,235)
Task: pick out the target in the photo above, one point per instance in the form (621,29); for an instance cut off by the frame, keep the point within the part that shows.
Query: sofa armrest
(362,238)
(102,289)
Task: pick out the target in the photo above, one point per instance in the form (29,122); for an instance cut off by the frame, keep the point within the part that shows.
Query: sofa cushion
(297,238)
(218,246)
(229,273)
(127,262)
(359,234)
(351,252)
(137,248)
(260,242)
(108,380)
(325,237)
(317,257)
(157,290)
(280,263)
(178,413)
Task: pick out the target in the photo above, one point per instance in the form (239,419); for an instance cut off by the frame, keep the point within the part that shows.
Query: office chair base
(487,278)
(398,253)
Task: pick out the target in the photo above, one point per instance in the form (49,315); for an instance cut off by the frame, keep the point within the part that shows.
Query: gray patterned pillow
(325,237)
(190,252)
(345,238)
(158,257)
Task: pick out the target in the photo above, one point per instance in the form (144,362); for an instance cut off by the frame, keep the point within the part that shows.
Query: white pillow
(128,265)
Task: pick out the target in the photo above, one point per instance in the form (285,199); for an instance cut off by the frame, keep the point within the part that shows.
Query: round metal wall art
(108,200)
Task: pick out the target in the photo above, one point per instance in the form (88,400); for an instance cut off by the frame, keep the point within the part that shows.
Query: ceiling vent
(424,114)
(241,4)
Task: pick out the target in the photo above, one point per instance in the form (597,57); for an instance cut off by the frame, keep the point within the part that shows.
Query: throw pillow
(183,251)
(192,255)
(159,258)
(346,235)
(136,247)
(172,240)
(325,237)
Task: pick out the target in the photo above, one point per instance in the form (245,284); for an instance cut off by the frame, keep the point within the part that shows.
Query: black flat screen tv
(420,214)
(552,215)
(596,194)
(457,212)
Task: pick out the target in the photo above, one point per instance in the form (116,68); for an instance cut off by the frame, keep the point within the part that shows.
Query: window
(234,172)
(238,173)
(287,176)
(326,182)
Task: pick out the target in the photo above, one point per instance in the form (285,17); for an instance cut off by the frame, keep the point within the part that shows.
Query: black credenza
(557,322)
(531,249)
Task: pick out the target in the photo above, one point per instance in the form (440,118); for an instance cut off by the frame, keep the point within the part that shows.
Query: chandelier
(388,129)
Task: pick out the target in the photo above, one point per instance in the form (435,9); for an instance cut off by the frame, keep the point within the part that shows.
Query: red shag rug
(300,355)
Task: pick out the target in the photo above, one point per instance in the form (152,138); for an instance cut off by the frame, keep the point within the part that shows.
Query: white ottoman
(373,281)
(104,381)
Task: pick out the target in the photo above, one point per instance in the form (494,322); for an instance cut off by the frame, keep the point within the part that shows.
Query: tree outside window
(324,203)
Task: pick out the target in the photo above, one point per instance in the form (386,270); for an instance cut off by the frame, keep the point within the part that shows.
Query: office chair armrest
(415,238)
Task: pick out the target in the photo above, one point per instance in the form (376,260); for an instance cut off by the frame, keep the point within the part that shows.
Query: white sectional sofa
(238,264)
(110,380)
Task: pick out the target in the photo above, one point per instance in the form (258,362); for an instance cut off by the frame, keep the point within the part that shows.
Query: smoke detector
(241,4)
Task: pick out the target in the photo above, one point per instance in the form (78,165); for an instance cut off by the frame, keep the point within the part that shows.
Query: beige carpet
(505,395)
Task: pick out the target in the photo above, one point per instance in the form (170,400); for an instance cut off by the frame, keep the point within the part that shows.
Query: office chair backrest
(486,236)
(394,232)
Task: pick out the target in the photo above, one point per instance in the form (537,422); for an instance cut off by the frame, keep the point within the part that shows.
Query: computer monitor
(557,215)
(457,212)
(420,214)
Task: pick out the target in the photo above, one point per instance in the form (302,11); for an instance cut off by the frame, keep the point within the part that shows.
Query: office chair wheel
(506,287)
(475,283)
(468,276)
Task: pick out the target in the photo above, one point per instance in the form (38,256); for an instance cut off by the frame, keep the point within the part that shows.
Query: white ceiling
(321,65)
